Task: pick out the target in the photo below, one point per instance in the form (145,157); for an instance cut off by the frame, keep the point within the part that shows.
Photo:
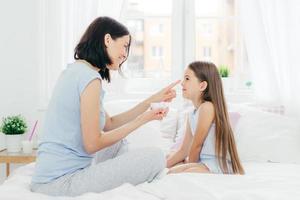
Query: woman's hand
(166,94)
(154,114)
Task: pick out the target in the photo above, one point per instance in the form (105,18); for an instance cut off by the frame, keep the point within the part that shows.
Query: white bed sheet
(262,181)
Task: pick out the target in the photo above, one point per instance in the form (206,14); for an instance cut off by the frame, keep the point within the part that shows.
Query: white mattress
(262,181)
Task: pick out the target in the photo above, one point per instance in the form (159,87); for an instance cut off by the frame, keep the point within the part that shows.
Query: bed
(269,147)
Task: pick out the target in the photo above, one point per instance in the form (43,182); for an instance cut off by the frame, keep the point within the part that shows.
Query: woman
(77,126)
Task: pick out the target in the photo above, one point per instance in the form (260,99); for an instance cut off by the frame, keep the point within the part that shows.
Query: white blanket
(262,181)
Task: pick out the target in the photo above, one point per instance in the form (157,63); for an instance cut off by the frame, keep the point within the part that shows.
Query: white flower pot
(13,143)
(227,84)
(2,141)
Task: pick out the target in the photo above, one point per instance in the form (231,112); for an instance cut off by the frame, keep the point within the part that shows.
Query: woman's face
(117,50)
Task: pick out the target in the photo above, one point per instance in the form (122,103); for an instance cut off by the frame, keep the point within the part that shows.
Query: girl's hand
(166,94)
(154,114)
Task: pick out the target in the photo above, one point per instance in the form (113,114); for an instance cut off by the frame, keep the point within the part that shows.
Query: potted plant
(224,73)
(13,127)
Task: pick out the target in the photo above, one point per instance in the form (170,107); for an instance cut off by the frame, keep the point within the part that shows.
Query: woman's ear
(203,86)
(107,39)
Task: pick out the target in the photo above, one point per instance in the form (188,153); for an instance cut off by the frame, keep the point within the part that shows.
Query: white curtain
(78,14)
(271,32)
(62,23)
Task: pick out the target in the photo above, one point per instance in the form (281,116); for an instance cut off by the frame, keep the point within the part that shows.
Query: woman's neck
(88,64)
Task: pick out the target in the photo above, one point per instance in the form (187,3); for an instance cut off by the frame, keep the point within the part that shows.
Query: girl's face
(117,50)
(191,86)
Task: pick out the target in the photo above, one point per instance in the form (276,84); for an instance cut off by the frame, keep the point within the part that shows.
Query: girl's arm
(93,138)
(205,119)
(183,151)
(166,94)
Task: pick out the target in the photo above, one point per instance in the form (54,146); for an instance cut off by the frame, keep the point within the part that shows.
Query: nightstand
(18,157)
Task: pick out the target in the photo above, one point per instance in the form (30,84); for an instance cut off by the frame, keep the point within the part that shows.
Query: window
(166,36)
(157,52)
(215,32)
(211,36)
(150,27)
(207,53)
(206,29)
(157,29)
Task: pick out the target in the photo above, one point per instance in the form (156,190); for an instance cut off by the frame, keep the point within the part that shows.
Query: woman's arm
(93,138)
(183,151)
(205,119)
(166,94)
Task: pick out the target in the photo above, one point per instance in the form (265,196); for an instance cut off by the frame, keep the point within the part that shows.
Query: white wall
(18,60)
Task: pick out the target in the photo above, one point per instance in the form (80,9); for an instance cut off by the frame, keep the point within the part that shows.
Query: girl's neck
(197,103)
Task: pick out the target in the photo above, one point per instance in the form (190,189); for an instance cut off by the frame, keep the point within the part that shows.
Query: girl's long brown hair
(225,143)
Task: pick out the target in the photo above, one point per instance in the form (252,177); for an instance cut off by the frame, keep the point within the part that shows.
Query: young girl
(208,145)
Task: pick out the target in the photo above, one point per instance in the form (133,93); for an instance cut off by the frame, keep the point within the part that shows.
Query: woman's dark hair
(91,46)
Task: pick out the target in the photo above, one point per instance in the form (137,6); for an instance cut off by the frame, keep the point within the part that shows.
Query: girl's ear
(107,39)
(203,86)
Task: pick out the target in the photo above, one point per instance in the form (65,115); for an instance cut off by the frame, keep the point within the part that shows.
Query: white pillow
(146,135)
(260,136)
(267,137)
(168,125)
(233,116)
(172,126)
